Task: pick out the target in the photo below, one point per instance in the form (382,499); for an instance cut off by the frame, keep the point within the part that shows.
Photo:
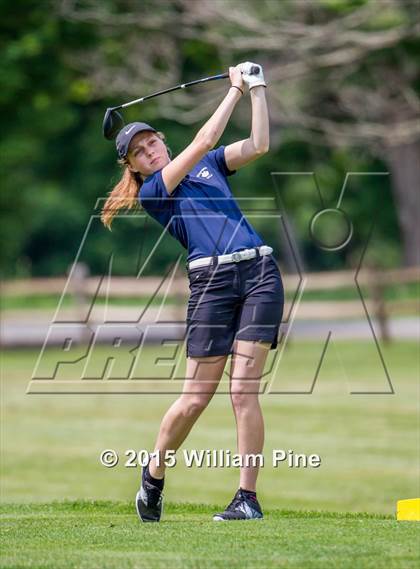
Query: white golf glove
(252,80)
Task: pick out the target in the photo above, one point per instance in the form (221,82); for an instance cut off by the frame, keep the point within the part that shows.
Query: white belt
(243,255)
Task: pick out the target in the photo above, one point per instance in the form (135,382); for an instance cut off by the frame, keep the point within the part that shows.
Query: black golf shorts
(239,300)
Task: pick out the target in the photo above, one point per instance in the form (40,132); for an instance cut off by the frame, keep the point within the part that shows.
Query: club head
(112,123)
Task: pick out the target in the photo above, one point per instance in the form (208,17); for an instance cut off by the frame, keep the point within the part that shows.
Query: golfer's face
(147,153)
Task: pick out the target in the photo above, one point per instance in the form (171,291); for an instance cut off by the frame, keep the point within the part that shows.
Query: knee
(243,401)
(193,406)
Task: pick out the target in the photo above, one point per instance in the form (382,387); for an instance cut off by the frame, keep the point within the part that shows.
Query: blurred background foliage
(343,88)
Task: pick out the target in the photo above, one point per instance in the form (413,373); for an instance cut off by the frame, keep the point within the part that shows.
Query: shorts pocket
(195,274)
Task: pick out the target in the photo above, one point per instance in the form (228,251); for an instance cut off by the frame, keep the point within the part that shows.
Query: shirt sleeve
(216,158)
(153,194)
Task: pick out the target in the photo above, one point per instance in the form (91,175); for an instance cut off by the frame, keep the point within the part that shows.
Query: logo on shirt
(204,173)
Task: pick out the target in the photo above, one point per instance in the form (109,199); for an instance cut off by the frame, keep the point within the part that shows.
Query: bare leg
(247,366)
(202,378)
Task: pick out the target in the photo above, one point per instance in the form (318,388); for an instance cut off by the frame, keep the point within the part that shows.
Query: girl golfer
(236,301)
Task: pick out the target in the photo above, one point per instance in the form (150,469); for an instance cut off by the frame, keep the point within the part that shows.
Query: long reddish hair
(125,193)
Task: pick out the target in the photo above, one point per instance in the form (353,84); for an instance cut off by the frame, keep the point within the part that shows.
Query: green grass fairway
(368,444)
(51,443)
(107,535)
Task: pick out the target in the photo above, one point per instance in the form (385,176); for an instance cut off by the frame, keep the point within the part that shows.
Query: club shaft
(181,86)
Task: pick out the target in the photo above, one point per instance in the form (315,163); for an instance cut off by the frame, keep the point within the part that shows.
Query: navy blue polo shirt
(201,213)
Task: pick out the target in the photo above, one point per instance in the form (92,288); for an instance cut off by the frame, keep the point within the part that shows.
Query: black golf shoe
(241,507)
(149,501)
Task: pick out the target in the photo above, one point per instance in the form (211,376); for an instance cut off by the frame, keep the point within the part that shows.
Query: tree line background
(343,94)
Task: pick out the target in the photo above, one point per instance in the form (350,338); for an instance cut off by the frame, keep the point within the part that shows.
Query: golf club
(113,120)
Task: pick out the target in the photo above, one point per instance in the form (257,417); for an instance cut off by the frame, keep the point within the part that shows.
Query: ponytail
(125,193)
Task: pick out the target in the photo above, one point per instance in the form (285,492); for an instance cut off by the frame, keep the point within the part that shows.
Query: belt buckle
(236,256)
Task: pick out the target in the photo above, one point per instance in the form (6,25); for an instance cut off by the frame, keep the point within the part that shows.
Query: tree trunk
(403,162)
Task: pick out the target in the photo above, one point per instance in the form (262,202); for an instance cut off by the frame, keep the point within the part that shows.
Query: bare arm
(206,138)
(244,151)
